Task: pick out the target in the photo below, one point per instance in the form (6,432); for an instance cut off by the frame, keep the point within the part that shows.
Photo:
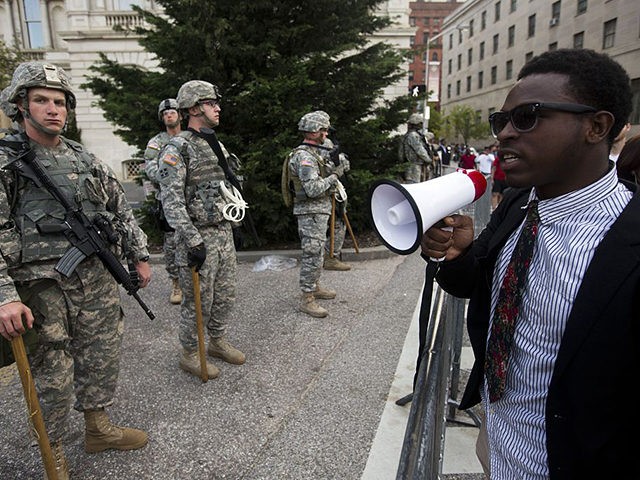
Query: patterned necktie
(508,306)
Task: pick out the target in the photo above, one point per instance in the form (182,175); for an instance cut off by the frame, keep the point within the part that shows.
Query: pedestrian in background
(170,118)
(467,160)
(498,181)
(78,319)
(628,164)
(554,303)
(192,183)
(311,185)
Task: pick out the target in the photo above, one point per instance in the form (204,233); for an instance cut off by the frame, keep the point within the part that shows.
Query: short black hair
(595,79)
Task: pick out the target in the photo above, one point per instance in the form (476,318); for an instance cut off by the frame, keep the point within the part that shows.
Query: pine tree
(273,62)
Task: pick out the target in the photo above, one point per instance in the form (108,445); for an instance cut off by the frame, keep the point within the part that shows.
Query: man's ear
(599,126)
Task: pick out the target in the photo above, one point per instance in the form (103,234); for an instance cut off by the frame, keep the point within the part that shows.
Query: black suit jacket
(592,432)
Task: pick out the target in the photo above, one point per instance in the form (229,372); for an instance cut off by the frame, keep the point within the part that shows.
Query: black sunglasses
(524,118)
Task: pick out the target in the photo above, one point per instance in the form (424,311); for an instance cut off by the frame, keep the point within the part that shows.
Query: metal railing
(437,381)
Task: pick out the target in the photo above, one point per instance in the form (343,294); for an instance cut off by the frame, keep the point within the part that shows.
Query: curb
(348,254)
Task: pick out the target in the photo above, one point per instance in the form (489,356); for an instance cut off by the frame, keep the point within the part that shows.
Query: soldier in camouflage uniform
(333,158)
(313,187)
(190,177)
(415,152)
(78,319)
(170,117)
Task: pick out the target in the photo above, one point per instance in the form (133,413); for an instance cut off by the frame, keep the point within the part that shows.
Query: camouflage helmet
(167,104)
(9,109)
(39,74)
(415,119)
(193,91)
(314,121)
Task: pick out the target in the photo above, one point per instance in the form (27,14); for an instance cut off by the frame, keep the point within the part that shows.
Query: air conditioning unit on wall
(554,21)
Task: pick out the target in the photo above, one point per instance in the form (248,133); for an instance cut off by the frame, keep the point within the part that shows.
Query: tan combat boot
(190,362)
(333,263)
(323,293)
(220,348)
(309,306)
(62,469)
(101,434)
(176,293)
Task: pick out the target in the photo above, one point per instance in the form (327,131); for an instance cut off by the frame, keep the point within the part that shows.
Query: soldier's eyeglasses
(524,118)
(211,103)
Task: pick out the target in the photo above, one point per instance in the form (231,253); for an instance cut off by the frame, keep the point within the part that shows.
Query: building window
(532,26)
(508,69)
(553,46)
(494,75)
(609,34)
(33,21)
(450,65)
(555,13)
(514,6)
(483,20)
(480,80)
(126,4)
(528,56)
(634,118)
(469,83)
(481,57)
(582,7)
(511,36)
(578,40)
(495,43)
(411,76)
(412,21)
(471,28)
(470,56)
(434,56)
(426,21)
(451,41)
(412,41)
(497,12)
(448,90)
(457,88)
(436,21)
(459,61)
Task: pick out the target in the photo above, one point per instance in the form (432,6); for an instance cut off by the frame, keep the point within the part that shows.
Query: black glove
(196,256)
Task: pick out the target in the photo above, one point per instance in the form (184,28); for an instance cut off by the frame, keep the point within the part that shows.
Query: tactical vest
(202,184)
(297,184)
(35,206)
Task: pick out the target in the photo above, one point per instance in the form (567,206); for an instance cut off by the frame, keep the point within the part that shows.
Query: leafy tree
(9,60)
(465,122)
(273,62)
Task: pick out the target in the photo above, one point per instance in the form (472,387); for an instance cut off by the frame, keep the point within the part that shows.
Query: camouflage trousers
(169,250)
(339,232)
(312,229)
(218,278)
(418,173)
(79,323)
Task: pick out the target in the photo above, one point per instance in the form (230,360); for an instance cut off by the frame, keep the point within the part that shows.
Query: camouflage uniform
(190,177)
(340,228)
(151,153)
(312,207)
(414,151)
(78,319)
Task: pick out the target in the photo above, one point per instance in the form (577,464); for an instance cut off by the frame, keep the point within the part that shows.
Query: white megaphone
(401,213)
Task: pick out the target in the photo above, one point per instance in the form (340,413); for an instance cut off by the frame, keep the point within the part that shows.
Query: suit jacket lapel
(615,258)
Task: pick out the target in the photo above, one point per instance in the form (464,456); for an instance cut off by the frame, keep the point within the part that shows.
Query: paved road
(306,405)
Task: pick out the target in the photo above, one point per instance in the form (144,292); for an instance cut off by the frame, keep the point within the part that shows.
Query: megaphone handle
(446,229)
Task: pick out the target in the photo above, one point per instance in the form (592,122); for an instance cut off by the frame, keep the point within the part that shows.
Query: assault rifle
(86,237)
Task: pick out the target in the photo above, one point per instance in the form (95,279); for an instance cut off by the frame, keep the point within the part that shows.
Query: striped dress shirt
(571,227)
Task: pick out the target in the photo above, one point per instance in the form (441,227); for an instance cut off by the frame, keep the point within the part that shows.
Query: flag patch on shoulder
(305,162)
(170,159)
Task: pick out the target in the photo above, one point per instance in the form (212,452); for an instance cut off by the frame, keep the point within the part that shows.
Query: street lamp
(427,111)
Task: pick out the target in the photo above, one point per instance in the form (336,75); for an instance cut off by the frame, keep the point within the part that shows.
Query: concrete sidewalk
(311,402)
